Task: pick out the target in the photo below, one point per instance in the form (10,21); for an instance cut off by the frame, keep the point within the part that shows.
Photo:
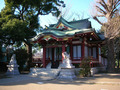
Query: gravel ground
(28,82)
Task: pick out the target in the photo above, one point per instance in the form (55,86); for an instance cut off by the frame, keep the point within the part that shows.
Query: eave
(64,35)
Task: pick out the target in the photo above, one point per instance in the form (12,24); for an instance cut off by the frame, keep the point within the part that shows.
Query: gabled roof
(61,34)
(79,24)
(77,27)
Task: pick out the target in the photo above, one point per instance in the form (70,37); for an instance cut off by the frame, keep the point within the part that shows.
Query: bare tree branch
(98,20)
(100,15)
(108,9)
(114,11)
(115,5)
(117,2)
(105,5)
(100,10)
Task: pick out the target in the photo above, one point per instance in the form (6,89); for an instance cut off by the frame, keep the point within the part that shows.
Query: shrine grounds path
(27,82)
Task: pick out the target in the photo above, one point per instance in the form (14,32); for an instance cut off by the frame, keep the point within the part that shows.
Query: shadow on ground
(27,79)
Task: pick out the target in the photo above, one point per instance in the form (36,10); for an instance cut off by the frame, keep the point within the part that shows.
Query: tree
(116,27)
(19,19)
(108,9)
(21,56)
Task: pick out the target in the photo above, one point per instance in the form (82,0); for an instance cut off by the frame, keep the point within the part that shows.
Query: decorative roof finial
(46,27)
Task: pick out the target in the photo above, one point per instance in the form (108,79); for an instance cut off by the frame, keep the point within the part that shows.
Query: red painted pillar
(44,56)
(83,48)
(63,50)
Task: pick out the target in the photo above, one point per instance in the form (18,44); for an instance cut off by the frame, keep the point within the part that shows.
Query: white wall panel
(74,51)
(79,51)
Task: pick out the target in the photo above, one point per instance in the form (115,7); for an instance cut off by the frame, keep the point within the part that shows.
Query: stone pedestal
(13,67)
(33,72)
(67,69)
(12,70)
(67,74)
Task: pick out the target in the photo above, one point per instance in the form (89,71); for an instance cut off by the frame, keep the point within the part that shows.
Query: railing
(94,62)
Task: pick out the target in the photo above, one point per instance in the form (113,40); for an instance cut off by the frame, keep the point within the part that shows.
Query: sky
(75,9)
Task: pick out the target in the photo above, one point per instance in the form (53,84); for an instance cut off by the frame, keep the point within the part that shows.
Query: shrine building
(77,38)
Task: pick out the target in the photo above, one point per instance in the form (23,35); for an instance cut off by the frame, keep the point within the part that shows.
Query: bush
(21,57)
(85,65)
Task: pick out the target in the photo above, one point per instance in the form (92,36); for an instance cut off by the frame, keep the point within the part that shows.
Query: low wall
(55,72)
(94,70)
(98,69)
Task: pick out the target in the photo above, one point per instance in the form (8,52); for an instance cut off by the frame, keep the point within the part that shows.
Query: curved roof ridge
(79,20)
(78,24)
(64,33)
(62,20)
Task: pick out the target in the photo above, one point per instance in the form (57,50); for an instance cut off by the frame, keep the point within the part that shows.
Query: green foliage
(5,15)
(116,62)
(19,20)
(15,30)
(41,7)
(85,65)
(21,57)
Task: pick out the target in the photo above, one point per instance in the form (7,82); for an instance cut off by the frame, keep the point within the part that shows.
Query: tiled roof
(101,36)
(60,34)
(79,26)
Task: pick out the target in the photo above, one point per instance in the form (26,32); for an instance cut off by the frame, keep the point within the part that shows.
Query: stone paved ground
(26,82)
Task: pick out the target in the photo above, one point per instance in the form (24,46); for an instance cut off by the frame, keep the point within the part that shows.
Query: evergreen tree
(19,20)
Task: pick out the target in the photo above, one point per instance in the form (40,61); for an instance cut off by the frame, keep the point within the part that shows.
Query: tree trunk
(118,57)
(110,56)
(29,51)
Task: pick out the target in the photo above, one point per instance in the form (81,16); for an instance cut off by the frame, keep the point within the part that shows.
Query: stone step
(44,72)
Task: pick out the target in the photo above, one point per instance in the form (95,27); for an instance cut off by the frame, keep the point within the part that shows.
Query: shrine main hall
(77,38)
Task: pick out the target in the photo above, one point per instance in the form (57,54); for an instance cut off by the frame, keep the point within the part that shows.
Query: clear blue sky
(1,4)
(77,9)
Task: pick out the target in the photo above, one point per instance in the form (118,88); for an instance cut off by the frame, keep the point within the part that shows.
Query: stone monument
(13,67)
(67,69)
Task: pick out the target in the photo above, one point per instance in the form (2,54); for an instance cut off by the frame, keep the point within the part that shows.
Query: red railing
(94,62)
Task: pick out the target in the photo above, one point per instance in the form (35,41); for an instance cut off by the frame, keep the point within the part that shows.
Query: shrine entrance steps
(44,72)
(50,72)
